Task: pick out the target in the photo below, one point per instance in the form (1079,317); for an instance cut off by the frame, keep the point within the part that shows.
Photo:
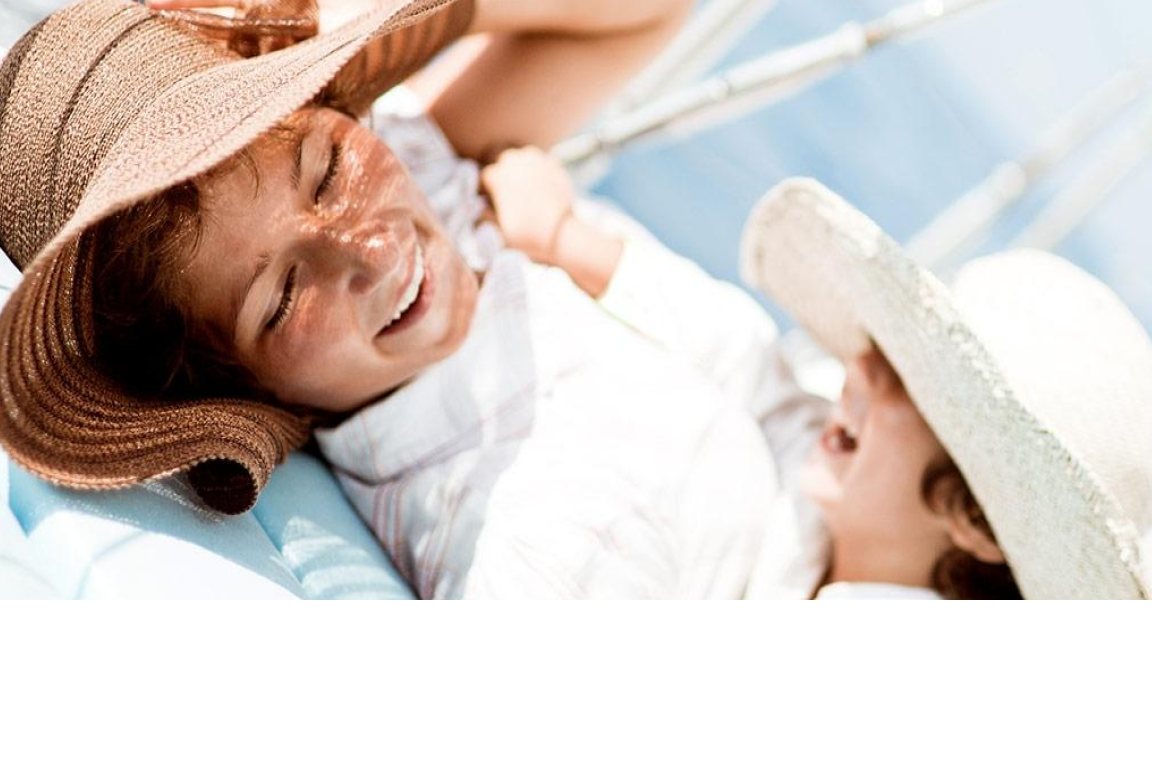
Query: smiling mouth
(412,291)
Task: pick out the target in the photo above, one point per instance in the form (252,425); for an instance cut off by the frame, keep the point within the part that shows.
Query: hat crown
(1076,357)
(68,89)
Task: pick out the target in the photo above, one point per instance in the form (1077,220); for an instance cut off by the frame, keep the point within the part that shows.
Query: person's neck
(864,563)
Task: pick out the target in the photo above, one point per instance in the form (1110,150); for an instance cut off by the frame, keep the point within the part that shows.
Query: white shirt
(642,445)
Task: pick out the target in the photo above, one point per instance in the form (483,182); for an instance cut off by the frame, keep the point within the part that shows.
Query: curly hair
(958,575)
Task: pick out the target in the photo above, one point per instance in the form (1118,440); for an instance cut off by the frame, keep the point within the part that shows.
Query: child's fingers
(490,177)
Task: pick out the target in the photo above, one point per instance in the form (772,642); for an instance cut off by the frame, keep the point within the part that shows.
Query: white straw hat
(1033,375)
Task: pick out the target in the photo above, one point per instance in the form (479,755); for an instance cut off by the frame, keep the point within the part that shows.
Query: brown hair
(958,575)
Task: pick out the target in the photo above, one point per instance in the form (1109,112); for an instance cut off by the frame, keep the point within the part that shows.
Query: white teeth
(413,289)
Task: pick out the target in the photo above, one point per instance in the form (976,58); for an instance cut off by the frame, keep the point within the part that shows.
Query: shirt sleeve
(676,304)
(718,328)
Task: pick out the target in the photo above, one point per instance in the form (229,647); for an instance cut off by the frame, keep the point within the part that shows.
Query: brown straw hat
(102,105)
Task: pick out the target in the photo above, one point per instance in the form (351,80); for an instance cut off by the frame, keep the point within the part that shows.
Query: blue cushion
(321,537)
(303,540)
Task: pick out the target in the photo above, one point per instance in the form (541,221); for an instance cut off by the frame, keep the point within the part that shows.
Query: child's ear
(971,538)
(949,499)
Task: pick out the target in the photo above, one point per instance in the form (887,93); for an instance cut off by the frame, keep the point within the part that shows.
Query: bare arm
(538,70)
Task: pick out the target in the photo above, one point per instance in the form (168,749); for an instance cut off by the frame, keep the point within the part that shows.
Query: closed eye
(286,302)
(330,173)
(287,299)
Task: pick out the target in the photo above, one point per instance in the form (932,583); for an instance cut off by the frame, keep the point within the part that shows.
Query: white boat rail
(959,226)
(767,79)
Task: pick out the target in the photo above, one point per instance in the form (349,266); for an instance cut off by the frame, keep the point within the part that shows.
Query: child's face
(866,473)
(306,270)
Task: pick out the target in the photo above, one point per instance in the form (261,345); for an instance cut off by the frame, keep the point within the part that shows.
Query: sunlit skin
(866,474)
(338,247)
